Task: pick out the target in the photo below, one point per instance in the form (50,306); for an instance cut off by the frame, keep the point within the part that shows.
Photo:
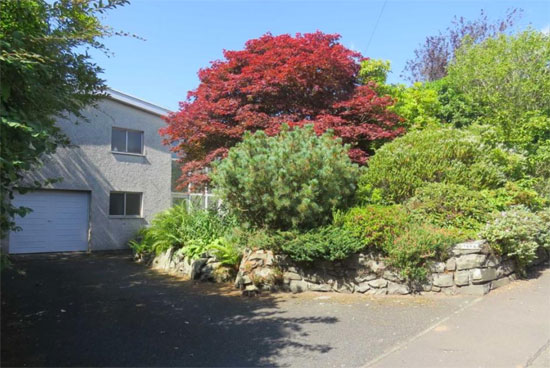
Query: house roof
(136,102)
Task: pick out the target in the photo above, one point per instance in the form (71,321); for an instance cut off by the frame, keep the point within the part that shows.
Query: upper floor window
(127,141)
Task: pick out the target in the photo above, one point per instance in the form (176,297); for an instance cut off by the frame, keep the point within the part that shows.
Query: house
(115,178)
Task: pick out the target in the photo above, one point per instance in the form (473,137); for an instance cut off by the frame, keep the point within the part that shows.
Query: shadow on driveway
(104,310)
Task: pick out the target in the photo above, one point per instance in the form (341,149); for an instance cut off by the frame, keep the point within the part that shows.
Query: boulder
(297,286)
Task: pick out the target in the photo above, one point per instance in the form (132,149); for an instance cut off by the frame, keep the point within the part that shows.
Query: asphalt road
(104,310)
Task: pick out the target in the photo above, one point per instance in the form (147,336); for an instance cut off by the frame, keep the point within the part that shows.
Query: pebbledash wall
(472,269)
(90,165)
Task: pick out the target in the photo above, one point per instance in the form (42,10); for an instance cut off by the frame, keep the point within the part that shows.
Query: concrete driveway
(104,310)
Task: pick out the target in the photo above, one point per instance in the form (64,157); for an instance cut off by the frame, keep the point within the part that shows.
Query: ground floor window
(125,204)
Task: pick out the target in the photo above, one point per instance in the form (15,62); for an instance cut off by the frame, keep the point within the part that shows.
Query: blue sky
(183,36)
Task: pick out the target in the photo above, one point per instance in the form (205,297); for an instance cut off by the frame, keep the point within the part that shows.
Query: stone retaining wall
(472,268)
(205,269)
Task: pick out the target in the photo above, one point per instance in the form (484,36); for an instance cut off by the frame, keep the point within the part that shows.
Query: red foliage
(306,79)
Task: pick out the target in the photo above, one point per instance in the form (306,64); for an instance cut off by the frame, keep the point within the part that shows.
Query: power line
(376,25)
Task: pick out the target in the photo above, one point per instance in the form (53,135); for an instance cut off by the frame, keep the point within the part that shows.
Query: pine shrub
(292,180)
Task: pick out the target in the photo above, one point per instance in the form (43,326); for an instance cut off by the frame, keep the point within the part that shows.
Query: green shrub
(543,237)
(413,250)
(324,243)
(190,230)
(374,225)
(445,155)
(517,233)
(292,180)
(450,205)
(226,251)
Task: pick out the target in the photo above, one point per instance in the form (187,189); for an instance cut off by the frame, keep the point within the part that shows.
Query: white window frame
(126,130)
(124,205)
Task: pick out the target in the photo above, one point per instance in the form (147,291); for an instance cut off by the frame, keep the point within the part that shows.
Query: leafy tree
(419,105)
(46,72)
(432,58)
(506,82)
(292,180)
(306,79)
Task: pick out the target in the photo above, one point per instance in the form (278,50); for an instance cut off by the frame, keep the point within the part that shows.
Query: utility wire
(376,25)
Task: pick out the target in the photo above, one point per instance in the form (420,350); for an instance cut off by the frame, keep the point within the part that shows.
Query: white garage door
(58,222)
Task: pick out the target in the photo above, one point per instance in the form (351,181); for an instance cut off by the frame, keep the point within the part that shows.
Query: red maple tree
(306,79)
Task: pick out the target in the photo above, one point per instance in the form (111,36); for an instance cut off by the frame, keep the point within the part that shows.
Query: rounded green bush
(444,155)
(451,205)
(517,233)
(292,180)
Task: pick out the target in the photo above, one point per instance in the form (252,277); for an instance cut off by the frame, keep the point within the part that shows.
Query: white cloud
(546,30)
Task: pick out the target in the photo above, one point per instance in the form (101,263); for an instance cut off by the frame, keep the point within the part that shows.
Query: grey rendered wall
(91,166)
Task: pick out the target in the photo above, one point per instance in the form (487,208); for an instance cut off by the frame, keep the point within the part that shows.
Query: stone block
(392,276)
(483,275)
(376,266)
(469,261)
(398,289)
(462,278)
(378,283)
(377,291)
(443,279)
(450,265)
(492,260)
(470,247)
(500,282)
(437,267)
(436,289)
(321,287)
(363,278)
(481,289)
(297,286)
(291,276)
(362,288)
(251,290)
(450,290)
(505,268)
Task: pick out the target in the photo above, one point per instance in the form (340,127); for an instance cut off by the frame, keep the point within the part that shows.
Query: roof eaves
(136,102)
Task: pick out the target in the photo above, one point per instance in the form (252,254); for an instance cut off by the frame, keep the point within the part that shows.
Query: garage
(58,222)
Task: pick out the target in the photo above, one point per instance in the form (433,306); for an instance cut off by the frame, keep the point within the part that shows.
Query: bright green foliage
(516,193)
(374,225)
(45,72)
(517,233)
(374,70)
(413,250)
(418,104)
(226,251)
(323,243)
(450,205)
(292,180)
(192,231)
(431,156)
(507,80)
